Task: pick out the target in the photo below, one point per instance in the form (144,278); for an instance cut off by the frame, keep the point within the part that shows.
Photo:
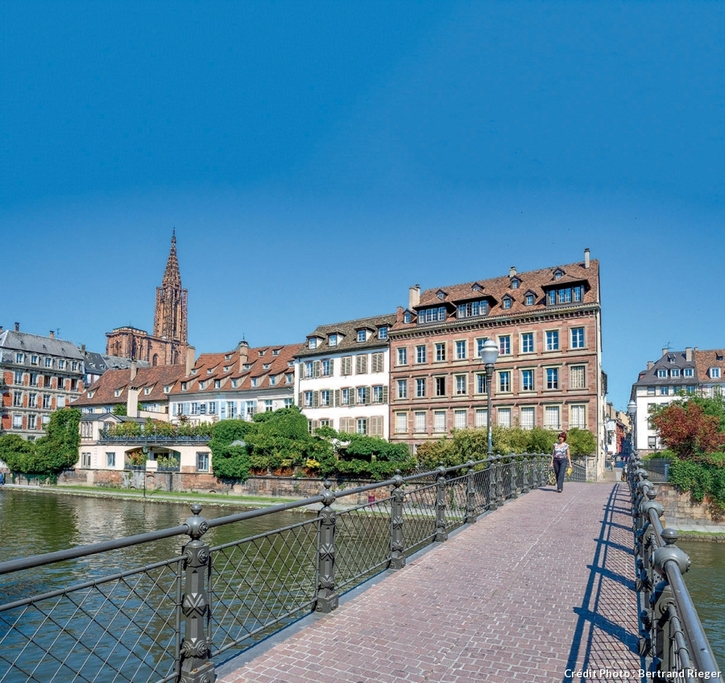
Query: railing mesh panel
(419,517)
(455,501)
(119,628)
(260,584)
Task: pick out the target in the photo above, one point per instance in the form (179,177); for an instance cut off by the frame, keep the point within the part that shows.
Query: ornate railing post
(514,469)
(196,667)
(397,545)
(525,488)
(493,482)
(441,534)
(470,495)
(644,546)
(327,597)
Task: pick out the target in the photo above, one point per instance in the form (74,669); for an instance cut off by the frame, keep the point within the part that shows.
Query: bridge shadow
(606,632)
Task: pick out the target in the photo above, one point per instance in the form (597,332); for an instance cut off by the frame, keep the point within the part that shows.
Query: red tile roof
(103,391)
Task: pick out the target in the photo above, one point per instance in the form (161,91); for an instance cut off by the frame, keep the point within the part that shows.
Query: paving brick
(541,585)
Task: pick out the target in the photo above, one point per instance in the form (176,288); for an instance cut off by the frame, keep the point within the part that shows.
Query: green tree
(119,409)
(16,452)
(228,461)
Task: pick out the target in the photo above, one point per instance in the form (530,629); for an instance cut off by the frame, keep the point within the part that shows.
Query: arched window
(155,360)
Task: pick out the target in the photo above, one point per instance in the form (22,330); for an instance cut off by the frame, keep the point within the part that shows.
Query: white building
(235,384)
(342,376)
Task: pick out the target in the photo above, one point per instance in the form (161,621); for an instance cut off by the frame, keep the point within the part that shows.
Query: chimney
(52,334)
(665,351)
(398,316)
(134,370)
(413,297)
(243,350)
(650,364)
(190,355)
(17,327)
(586,257)
(688,353)
(132,402)
(83,348)
(512,271)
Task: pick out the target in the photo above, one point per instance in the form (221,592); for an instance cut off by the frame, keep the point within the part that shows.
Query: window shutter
(336,398)
(315,399)
(316,369)
(368,390)
(385,394)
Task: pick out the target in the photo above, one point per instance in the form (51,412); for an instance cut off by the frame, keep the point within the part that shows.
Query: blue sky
(317,158)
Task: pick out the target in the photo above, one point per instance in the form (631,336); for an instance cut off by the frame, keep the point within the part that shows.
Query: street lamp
(489,356)
(632,412)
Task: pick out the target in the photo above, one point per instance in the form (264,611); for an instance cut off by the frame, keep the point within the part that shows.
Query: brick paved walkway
(542,585)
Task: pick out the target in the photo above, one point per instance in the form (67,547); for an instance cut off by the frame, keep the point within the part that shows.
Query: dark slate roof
(34,343)
(98,363)
(671,359)
(348,330)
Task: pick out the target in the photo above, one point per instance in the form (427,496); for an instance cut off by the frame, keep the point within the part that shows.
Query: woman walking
(560,460)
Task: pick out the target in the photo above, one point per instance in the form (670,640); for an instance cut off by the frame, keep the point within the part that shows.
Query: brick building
(168,344)
(37,376)
(547,324)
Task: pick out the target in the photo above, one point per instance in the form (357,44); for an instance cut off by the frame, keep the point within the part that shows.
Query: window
(202,462)
(529,299)
(363,395)
(234,383)
(46,401)
(420,425)
(268,406)
(346,396)
(251,409)
(440,386)
(309,369)
(552,340)
(504,417)
(689,372)
(376,425)
(361,425)
(346,362)
(479,346)
(75,366)
(402,388)
(504,344)
(85,460)
(407,317)
(254,381)
(715,373)
(272,381)
(307,399)
(18,378)
(506,303)
(577,337)
(578,417)
(565,295)
(326,366)
(515,282)
(577,377)
(361,364)
(48,362)
(33,379)
(402,356)
(378,362)
(420,353)
(461,385)
(460,419)
(440,351)
(212,407)
(312,343)
(33,360)
(17,421)
(383,332)
(527,380)
(32,400)
(552,378)
(18,357)
(432,315)
(527,342)
(361,336)
(481,418)
(480,382)
(61,364)
(674,372)
(332,340)
(551,417)
(289,378)
(110,459)
(661,373)
(527,418)
(460,350)
(17,399)
(325,397)
(472,309)
(504,381)
(420,387)
(439,421)
(651,442)
(664,391)
(288,403)
(401,423)
(378,394)
(32,422)
(60,402)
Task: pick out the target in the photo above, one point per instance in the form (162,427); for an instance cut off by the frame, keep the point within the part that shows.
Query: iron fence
(658,469)
(173,620)
(671,640)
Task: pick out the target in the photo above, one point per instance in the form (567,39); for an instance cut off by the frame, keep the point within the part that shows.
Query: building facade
(675,373)
(168,343)
(37,376)
(547,325)
(342,376)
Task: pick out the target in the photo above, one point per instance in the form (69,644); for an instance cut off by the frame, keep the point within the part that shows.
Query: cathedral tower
(170,313)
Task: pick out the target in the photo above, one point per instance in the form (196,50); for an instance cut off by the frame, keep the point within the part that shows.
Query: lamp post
(632,412)
(489,356)
(145,450)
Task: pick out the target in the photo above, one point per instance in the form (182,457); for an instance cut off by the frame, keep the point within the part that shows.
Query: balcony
(152,439)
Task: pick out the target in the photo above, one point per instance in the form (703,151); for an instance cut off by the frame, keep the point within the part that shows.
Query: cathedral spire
(170,316)
(172,276)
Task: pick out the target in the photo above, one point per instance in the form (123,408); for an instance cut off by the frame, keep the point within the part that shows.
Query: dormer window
(290,363)
(362,335)
(227,368)
(675,372)
(441,294)
(661,373)
(507,302)
(266,366)
(715,373)
(167,389)
(91,394)
(261,353)
(383,332)
(147,391)
(202,385)
(217,383)
(228,356)
(275,352)
(565,295)
(193,371)
(515,283)
(407,317)
(472,309)
(254,381)
(312,342)
(247,366)
(558,273)
(288,378)
(332,340)
(689,372)
(117,392)
(529,299)
(476,287)
(208,371)
(272,380)
(432,315)
(234,384)
(183,386)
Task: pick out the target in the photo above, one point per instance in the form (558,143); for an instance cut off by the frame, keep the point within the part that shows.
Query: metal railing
(658,469)
(672,640)
(150,439)
(174,619)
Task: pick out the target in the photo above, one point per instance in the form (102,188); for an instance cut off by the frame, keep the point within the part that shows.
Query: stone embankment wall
(679,508)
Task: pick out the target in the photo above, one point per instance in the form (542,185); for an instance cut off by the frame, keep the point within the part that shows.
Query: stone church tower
(168,345)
